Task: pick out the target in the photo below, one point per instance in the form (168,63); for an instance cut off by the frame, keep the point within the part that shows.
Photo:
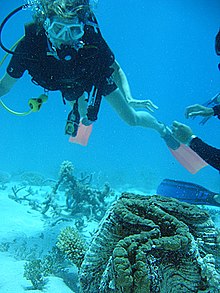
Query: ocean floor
(20,225)
(26,233)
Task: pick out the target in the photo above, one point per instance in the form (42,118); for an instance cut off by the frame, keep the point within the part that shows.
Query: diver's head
(63,20)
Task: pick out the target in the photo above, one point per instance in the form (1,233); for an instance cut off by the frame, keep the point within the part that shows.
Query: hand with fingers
(144,104)
(181,132)
(198,110)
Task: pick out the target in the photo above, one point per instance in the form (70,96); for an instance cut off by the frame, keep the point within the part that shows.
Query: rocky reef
(152,244)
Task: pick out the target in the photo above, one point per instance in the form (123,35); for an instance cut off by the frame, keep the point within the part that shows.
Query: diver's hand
(198,110)
(181,132)
(144,104)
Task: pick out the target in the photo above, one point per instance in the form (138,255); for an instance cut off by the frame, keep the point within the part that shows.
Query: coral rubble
(81,198)
(152,244)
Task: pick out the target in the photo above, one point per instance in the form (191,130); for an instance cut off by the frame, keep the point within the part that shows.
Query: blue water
(166,49)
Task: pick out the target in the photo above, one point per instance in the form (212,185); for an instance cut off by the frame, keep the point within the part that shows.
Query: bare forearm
(124,87)
(121,81)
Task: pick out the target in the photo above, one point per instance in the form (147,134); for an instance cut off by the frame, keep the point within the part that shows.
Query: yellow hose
(14,112)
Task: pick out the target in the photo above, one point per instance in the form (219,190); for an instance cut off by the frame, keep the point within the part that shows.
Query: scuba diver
(63,50)
(184,133)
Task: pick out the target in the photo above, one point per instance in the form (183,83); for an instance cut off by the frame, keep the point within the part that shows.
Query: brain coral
(152,244)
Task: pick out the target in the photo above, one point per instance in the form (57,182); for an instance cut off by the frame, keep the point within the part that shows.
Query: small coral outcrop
(34,272)
(150,244)
(37,270)
(72,245)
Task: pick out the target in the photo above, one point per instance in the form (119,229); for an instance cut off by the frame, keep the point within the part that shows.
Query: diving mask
(65,32)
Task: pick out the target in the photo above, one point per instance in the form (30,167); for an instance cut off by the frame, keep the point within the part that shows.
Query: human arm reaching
(199,110)
(121,81)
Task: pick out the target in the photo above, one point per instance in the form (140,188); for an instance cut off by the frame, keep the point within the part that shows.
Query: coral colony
(152,244)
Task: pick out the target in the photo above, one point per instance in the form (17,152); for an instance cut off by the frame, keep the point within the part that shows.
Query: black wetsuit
(208,153)
(217,111)
(72,72)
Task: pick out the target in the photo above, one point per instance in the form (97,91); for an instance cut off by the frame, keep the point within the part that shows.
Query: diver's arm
(122,82)
(6,83)
(198,110)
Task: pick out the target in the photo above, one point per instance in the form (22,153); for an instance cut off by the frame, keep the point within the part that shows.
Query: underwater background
(166,49)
